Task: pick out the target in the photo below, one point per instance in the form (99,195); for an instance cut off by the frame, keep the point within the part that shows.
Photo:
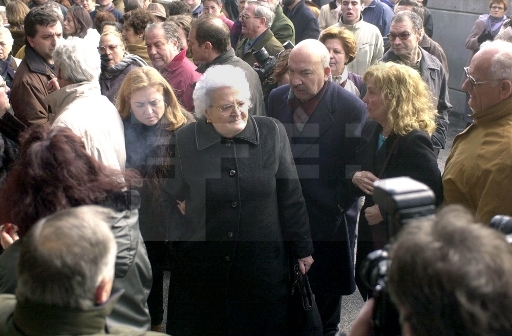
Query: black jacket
(244,206)
(323,152)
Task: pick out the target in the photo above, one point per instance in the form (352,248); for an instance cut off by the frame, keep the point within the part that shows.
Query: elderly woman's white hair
(6,37)
(216,77)
(77,60)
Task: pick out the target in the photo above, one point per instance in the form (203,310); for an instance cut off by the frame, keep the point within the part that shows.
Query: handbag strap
(388,157)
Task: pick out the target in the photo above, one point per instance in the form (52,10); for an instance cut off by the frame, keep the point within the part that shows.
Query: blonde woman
(151,115)
(394,142)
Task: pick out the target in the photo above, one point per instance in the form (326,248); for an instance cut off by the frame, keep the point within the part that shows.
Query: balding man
(404,35)
(324,123)
(429,45)
(209,42)
(478,171)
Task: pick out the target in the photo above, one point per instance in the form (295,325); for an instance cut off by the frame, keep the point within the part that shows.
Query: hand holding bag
(304,315)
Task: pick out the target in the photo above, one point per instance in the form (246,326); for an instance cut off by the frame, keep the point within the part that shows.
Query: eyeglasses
(473,81)
(403,36)
(244,17)
(230,108)
(103,49)
(497,7)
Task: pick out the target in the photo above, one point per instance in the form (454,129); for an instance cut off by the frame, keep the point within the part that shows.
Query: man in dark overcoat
(324,123)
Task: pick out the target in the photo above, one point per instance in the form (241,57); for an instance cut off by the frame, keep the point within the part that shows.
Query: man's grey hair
(501,63)
(170,31)
(216,77)
(417,22)
(77,60)
(263,9)
(65,256)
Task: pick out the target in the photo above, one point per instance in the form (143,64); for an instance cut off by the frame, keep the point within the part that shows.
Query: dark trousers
(329,307)
(157,255)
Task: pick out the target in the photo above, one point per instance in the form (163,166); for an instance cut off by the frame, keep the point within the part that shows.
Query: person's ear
(30,41)
(327,72)
(208,46)
(103,291)
(505,89)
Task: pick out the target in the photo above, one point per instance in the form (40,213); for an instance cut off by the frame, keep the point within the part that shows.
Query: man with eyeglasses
(256,19)
(370,45)
(404,36)
(36,73)
(478,171)
(429,45)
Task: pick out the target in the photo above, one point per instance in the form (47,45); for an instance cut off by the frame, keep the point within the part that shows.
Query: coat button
(232,173)
(234,204)
(230,234)
(227,259)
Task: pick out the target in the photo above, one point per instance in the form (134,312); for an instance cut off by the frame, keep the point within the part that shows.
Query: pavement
(352,304)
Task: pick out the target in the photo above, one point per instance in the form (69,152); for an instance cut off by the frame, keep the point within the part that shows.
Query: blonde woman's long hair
(406,97)
(141,78)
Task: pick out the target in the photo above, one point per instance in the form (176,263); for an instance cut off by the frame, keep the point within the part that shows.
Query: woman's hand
(373,215)
(305,264)
(181,206)
(364,181)
(8,235)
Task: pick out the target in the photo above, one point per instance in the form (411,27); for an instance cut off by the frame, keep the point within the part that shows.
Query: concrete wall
(453,21)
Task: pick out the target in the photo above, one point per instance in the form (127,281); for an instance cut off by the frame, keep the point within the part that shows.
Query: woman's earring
(208,121)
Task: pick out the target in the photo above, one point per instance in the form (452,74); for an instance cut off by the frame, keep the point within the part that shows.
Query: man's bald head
(309,69)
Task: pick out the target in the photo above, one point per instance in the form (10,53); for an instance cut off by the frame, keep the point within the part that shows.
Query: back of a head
(501,62)
(16,11)
(54,171)
(178,8)
(452,276)
(211,29)
(77,60)
(64,258)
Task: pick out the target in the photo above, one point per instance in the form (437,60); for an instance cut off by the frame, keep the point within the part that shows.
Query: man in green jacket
(65,277)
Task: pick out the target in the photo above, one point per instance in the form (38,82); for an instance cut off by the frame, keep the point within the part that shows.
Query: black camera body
(267,63)
(400,200)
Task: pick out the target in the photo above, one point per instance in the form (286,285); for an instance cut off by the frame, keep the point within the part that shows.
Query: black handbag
(304,315)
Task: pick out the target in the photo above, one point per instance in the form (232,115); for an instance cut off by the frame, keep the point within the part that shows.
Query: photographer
(448,276)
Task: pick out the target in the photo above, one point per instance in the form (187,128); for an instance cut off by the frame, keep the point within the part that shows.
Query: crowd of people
(152,127)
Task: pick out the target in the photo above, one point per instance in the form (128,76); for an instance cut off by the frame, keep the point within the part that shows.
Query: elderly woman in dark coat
(151,115)
(116,63)
(243,211)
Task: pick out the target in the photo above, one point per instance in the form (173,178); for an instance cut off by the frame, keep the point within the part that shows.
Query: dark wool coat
(322,153)
(413,157)
(244,209)
(304,21)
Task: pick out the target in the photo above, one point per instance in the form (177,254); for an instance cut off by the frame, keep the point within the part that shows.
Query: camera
(267,63)
(400,200)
